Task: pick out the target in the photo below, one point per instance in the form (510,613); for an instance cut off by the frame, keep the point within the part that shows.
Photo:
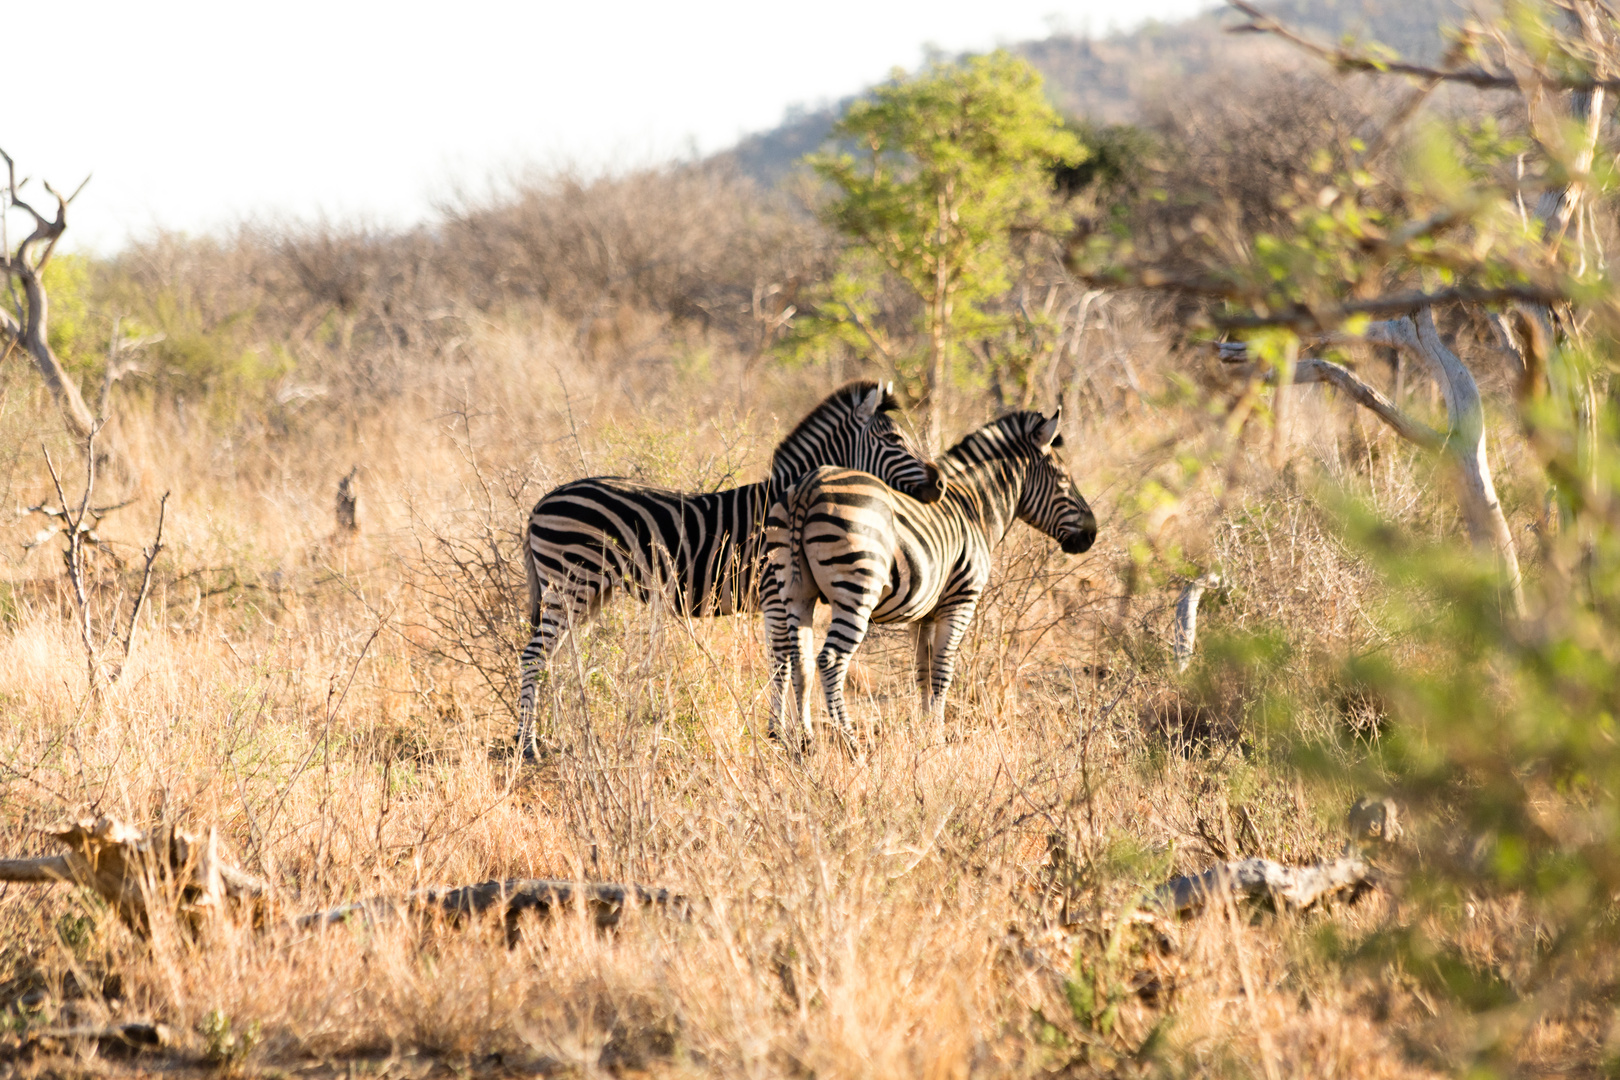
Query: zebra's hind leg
(532,664)
(801,663)
(561,611)
(788,625)
(848,630)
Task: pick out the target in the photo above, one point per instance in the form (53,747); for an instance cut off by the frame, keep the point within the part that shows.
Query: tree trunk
(1465,442)
(939,315)
(31,335)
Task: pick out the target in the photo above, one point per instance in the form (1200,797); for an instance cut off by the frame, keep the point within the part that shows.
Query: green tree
(950,165)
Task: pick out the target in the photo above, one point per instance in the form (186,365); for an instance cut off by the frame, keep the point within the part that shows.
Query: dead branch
(1316,370)
(150,554)
(1297,888)
(112,1040)
(605,902)
(131,870)
(73,525)
(1322,317)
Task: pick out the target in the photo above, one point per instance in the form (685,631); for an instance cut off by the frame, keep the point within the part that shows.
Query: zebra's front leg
(948,628)
(922,639)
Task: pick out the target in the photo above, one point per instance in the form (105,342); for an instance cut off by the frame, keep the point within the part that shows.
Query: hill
(1109,78)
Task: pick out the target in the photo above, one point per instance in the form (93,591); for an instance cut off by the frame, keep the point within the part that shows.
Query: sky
(193,116)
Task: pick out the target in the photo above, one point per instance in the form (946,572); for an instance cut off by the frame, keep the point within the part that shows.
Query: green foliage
(73,333)
(1116,162)
(224,1046)
(197,357)
(950,164)
(1502,742)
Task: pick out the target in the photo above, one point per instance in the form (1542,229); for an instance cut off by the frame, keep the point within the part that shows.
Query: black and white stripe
(704,553)
(877,555)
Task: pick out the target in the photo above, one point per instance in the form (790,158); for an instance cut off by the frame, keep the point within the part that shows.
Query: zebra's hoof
(848,741)
(522,751)
(796,747)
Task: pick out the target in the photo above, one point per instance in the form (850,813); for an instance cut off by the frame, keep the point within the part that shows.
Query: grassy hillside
(1109,78)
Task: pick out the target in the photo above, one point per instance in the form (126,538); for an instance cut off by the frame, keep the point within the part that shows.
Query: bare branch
(150,554)
(48,870)
(1315,370)
(1346,60)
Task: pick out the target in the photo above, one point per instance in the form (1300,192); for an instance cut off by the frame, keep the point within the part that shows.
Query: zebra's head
(1049,500)
(854,428)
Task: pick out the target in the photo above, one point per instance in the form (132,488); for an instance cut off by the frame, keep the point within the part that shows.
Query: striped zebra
(877,555)
(703,552)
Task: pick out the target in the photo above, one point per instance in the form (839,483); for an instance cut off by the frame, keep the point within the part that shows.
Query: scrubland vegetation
(338,702)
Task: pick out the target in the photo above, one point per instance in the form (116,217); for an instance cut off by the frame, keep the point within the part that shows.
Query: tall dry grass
(335,706)
(953,901)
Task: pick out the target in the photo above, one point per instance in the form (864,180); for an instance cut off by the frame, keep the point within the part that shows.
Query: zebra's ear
(1047,433)
(869,405)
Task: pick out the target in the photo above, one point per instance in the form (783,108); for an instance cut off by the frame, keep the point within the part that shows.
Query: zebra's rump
(870,547)
(702,551)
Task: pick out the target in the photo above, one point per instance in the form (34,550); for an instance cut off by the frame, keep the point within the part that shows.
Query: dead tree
(1463,442)
(26,265)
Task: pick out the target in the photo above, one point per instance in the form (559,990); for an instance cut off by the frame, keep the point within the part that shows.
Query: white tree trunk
(1465,442)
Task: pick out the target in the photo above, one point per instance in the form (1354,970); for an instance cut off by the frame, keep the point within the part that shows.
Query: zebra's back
(701,550)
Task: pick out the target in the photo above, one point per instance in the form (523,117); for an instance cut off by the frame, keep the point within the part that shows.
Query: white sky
(195,114)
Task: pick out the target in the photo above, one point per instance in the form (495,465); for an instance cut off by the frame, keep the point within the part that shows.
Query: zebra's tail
(531,569)
(797,503)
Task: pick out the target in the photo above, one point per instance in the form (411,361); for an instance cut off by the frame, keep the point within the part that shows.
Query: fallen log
(1371,822)
(1295,887)
(136,872)
(603,901)
(120,1040)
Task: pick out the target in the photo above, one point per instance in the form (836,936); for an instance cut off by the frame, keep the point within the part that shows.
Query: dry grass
(949,903)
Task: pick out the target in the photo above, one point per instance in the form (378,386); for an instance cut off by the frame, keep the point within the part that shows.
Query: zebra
(877,555)
(703,552)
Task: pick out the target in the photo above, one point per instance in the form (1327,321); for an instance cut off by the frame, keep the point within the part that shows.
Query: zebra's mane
(1005,437)
(831,415)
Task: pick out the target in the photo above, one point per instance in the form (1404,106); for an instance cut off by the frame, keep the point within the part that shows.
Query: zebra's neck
(826,435)
(985,487)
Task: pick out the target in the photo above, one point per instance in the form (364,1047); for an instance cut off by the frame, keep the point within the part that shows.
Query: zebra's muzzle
(931,490)
(1079,540)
